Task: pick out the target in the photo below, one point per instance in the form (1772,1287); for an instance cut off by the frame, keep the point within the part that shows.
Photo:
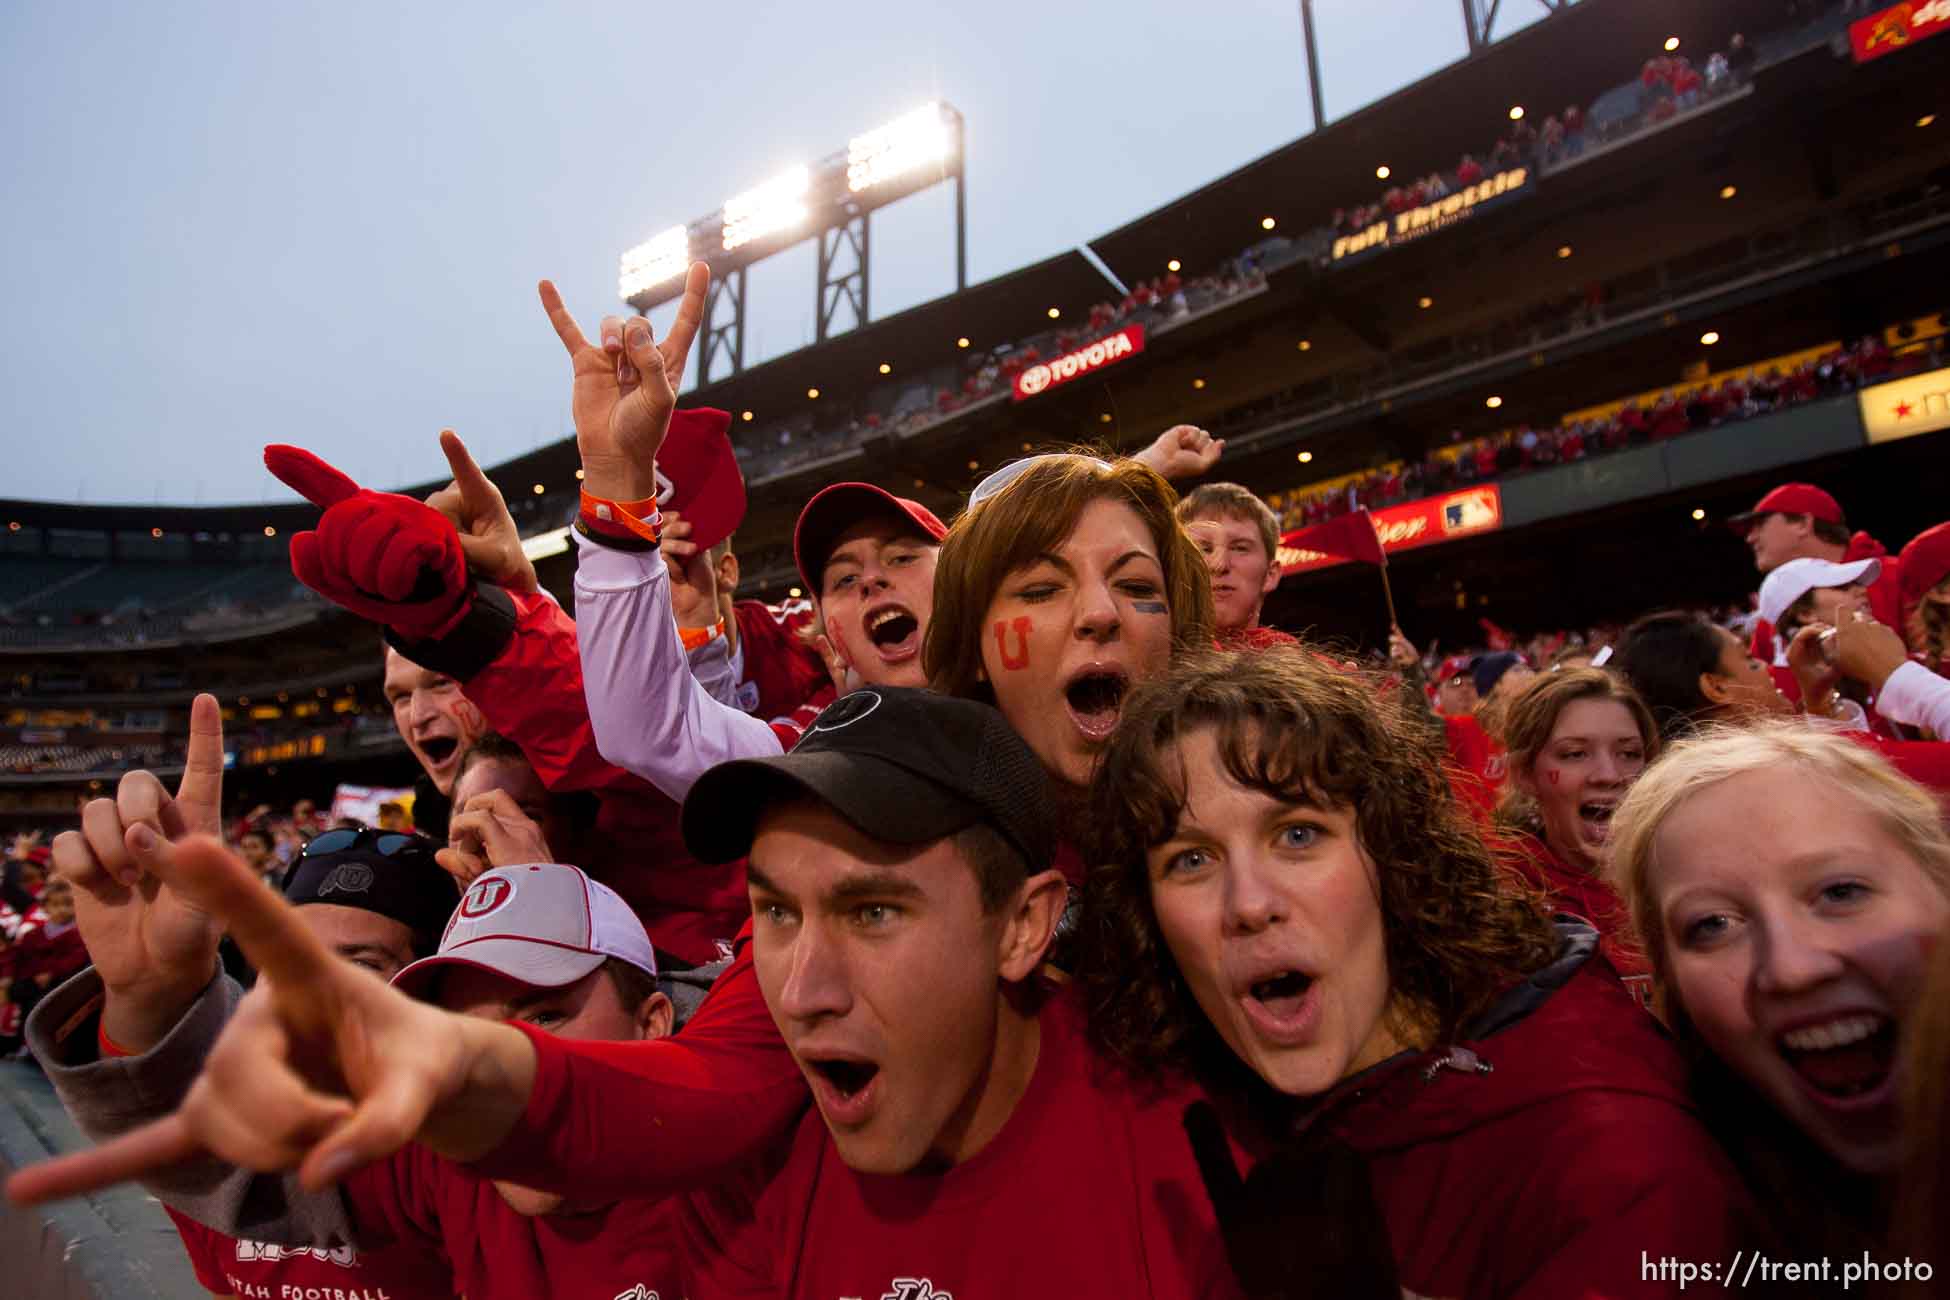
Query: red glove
(383,556)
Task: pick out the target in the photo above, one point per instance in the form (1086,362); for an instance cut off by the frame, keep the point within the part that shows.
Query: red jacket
(1584,895)
(1558,1170)
(517,659)
(43,950)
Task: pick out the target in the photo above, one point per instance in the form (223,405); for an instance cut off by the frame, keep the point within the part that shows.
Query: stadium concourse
(1531,397)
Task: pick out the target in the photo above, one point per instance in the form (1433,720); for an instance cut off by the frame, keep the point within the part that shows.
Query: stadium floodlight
(1672,43)
(962,342)
(542,545)
(1926,120)
(1305,457)
(1698,513)
(922,138)
(1492,401)
(1710,337)
(779,204)
(1172,266)
(1516,112)
(661,257)
(1381,172)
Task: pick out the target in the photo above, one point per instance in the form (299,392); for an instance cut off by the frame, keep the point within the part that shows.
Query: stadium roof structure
(1420,128)
(1424,127)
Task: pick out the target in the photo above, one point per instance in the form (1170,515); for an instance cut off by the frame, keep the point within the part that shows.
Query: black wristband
(614,542)
(475,642)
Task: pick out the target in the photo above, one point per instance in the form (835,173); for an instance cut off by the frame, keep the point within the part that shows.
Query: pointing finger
(199,796)
(477,493)
(145,1151)
(308,476)
(266,927)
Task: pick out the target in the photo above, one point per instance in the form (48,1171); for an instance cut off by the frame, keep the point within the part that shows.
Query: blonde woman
(1788,885)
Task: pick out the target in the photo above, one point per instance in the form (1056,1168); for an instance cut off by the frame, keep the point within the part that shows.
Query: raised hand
(1868,652)
(383,556)
(693,582)
(323,1067)
(153,948)
(1304,1223)
(1401,651)
(1183,451)
(625,389)
(479,514)
(491,831)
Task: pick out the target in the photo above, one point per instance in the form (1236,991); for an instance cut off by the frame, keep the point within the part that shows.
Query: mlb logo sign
(1468,512)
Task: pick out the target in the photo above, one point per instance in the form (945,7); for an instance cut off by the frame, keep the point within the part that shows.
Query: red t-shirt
(782,671)
(256,1270)
(1088,1191)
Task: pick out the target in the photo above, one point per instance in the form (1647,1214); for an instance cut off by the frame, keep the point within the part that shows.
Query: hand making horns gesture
(626,389)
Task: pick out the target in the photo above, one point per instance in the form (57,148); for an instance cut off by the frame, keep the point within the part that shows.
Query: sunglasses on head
(1009,473)
(385,843)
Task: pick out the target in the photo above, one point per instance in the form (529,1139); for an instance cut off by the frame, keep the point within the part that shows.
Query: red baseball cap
(1924,563)
(698,475)
(835,509)
(1790,499)
(1453,666)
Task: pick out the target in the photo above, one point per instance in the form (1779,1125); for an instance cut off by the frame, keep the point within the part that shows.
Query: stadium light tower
(832,201)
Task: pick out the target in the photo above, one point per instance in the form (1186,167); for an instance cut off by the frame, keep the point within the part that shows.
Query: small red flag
(1351,537)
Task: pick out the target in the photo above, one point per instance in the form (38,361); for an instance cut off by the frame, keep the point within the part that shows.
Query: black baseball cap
(903,764)
(386,872)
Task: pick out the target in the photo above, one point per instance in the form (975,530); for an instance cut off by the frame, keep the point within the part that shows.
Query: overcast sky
(275,220)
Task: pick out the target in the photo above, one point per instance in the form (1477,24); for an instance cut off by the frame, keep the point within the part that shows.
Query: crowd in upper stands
(1634,422)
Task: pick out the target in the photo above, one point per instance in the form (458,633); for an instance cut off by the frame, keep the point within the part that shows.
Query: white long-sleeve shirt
(1916,697)
(649,714)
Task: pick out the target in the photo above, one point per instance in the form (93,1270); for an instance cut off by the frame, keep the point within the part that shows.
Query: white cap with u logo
(544,924)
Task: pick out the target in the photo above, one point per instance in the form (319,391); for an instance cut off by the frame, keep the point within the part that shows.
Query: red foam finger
(309,476)
(309,568)
(366,548)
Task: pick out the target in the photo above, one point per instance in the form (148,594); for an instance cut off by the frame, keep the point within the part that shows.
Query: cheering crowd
(1020,916)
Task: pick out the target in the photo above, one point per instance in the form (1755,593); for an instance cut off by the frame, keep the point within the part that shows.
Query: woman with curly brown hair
(1288,886)
(1577,740)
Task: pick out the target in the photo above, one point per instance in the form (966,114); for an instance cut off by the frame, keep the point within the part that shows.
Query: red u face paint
(1020,659)
(1552,775)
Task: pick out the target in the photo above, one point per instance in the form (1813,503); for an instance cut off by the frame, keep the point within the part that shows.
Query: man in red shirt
(902,903)
(1239,536)
(1800,521)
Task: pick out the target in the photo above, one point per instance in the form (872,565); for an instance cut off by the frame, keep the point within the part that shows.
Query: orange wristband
(109,1047)
(693,637)
(622,518)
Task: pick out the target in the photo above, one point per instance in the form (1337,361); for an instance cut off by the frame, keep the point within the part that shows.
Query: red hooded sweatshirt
(1554,1153)
(1584,895)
